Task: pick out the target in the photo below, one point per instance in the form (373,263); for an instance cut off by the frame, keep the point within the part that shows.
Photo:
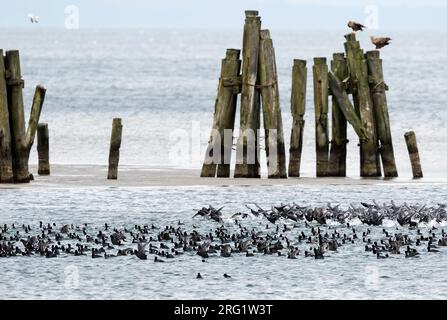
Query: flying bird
(380,42)
(33,18)
(355,26)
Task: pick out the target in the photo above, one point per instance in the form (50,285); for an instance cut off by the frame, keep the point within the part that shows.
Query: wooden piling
(337,154)
(115,144)
(16,116)
(21,138)
(338,90)
(268,85)
(43,149)
(410,139)
(6,169)
(358,72)
(298,108)
(247,162)
(218,154)
(380,107)
(320,80)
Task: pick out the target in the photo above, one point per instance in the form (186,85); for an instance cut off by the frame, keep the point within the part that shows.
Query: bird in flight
(33,18)
(355,26)
(380,42)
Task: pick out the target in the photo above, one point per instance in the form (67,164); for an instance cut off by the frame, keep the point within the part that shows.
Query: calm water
(350,273)
(163,84)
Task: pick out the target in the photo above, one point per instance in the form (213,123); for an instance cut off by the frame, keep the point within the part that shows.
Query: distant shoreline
(71,176)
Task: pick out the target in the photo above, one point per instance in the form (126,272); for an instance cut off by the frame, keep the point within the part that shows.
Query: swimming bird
(199,276)
(355,26)
(141,250)
(380,256)
(95,254)
(380,42)
(226,275)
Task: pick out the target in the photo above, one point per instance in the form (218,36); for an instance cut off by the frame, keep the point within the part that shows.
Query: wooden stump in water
(337,154)
(268,84)
(320,79)
(358,72)
(16,116)
(6,170)
(115,144)
(247,162)
(378,87)
(43,149)
(22,138)
(218,153)
(298,108)
(410,139)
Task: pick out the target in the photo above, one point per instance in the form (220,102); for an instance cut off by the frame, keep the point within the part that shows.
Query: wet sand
(145,176)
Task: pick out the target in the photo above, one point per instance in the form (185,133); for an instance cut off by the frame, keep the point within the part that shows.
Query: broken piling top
(338,56)
(299,63)
(350,37)
(264,34)
(320,60)
(232,54)
(251,13)
(373,54)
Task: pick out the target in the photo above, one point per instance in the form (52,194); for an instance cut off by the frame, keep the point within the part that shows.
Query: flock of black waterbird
(286,231)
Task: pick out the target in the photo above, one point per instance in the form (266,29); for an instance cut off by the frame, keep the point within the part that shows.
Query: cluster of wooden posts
(257,82)
(351,73)
(16,139)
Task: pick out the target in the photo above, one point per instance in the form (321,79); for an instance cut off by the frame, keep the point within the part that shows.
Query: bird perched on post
(355,26)
(380,42)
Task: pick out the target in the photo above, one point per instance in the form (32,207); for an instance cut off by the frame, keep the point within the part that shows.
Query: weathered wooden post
(218,153)
(358,72)
(16,116)
(378,87)
(115,144)
(268,83)
(247,162)
(298,108)
(43,149)
(410,139)
(320,79)
(337,154)
(6,170)
(21,138)
(338,90)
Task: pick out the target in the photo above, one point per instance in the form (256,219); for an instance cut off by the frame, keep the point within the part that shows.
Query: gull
(33,18)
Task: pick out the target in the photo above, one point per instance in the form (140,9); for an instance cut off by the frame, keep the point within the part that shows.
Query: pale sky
(283,14)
